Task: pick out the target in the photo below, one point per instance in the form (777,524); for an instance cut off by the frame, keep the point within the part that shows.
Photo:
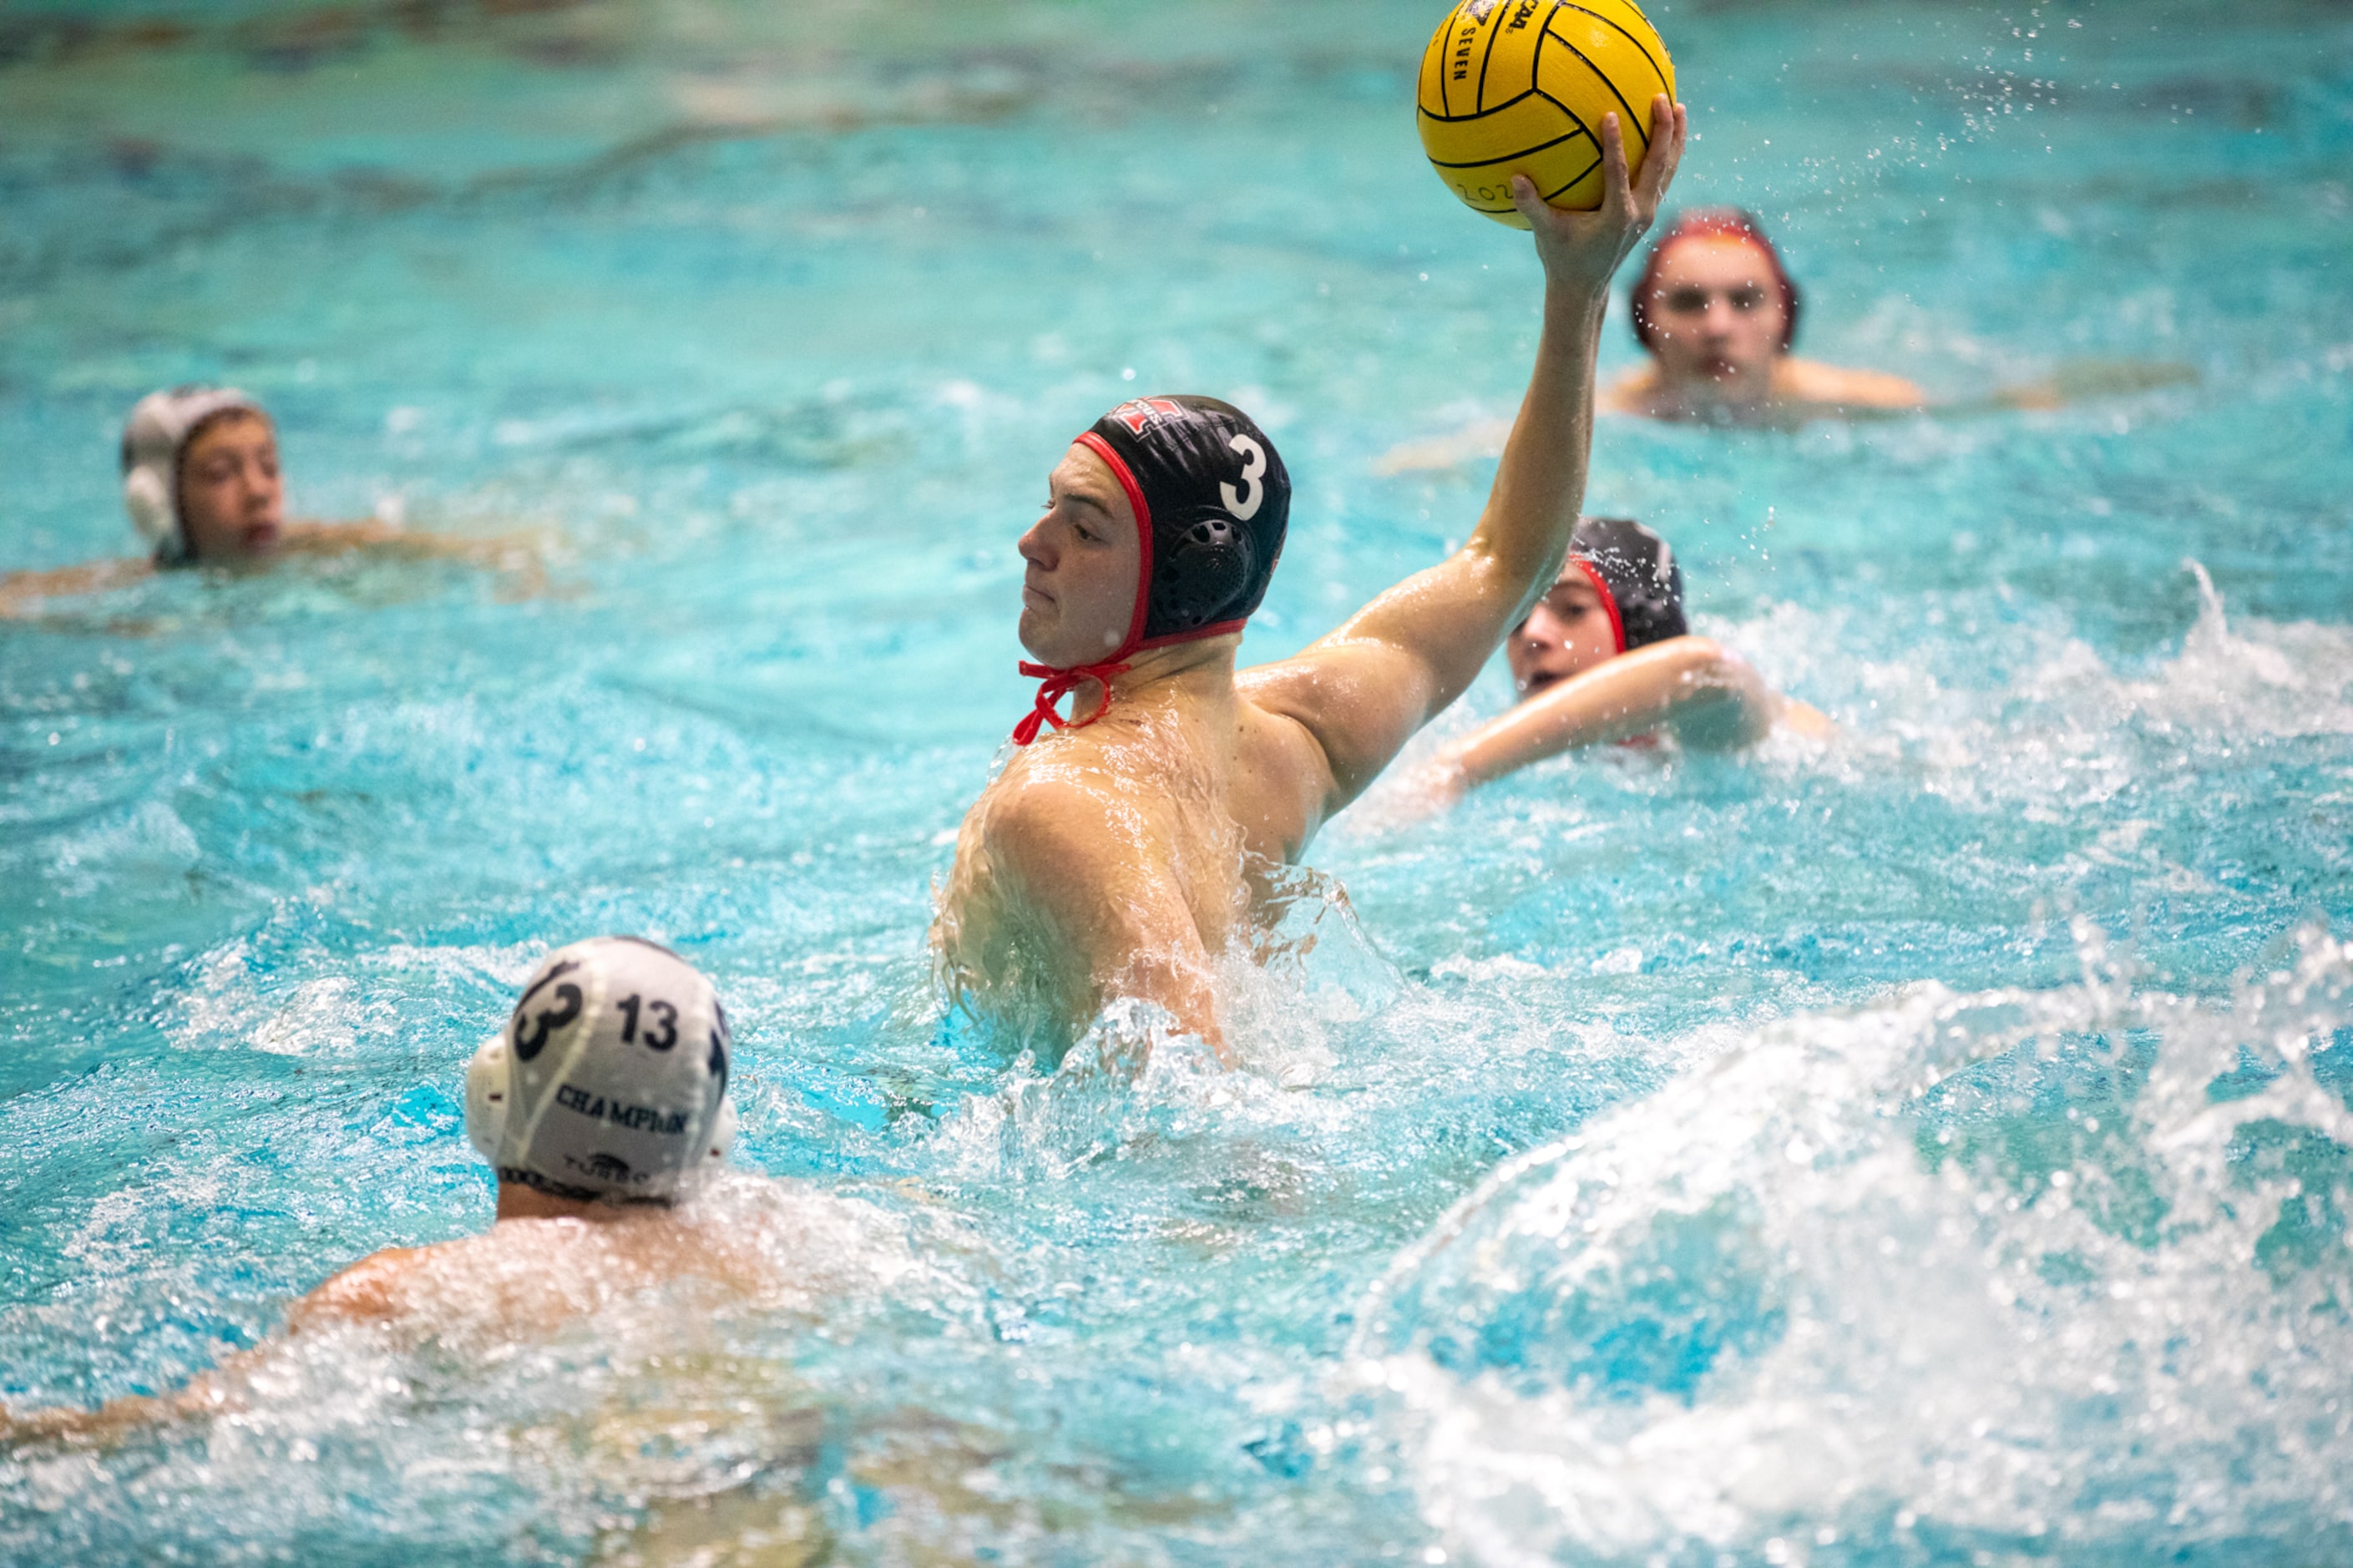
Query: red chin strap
(1059,683)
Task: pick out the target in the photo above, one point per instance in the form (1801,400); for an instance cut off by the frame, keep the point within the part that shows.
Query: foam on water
(660,1397)
(1851,1290)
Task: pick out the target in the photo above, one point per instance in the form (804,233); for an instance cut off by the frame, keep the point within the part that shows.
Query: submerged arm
(517,555)
(1364,690)
(1482,438)
(118,1417)
(362,1293)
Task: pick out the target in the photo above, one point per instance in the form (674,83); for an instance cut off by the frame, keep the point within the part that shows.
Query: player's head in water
(610,1082)
(600,1101)
(1715,306)
(200,476)
(1621,589)
(1163,525)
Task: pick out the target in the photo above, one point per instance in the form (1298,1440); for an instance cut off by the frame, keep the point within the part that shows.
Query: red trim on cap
(1710,223)
(1127,478)
(1608,599)
(1058,682)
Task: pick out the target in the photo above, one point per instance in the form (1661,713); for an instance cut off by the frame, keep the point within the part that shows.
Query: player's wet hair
(1212,501)
(1712,223)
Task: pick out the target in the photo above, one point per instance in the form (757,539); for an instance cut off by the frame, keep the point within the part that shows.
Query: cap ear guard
(1212,502)
(1206,571)
(147,497)
(153,440)
(722,1135)
(490,1084)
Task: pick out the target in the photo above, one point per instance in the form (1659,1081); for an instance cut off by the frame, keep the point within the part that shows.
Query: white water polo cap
(153,440)
(610,1080)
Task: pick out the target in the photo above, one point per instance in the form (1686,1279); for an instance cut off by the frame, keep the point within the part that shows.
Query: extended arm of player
(516,555)
(23,593)
(360,1294)
(1365,689)
(1712,698)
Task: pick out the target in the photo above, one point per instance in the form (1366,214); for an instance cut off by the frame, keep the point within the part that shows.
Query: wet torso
(1192,794)
(743,1241)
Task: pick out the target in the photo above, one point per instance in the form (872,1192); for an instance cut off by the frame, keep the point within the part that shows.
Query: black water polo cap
(1637,575)
(1212,501)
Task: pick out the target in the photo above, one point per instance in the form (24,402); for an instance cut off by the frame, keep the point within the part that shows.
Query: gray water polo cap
(609,1081)
(153,440)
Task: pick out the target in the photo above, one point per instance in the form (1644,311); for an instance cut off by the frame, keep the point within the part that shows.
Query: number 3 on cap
(560,1017)
(1245,506)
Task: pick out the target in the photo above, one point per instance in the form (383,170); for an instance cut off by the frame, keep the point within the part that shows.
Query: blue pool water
(1930,1147)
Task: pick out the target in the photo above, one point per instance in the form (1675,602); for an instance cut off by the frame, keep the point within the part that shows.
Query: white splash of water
(1754,1312)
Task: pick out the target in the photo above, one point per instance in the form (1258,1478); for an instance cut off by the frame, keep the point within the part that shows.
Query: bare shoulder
(375,1290)
(1044,819)
(1810,381)
(1297,692)
(1328,712)
(1632,391)
(333,538)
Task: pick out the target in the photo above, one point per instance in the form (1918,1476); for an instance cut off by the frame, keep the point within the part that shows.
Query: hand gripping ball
(1519,86)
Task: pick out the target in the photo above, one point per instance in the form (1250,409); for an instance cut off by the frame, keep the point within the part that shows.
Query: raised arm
(1364,690)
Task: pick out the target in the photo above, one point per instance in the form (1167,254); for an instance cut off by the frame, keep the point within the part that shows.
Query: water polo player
(201,481)
(1605,654)
(602,1105)
(1717,312)
(1114,858)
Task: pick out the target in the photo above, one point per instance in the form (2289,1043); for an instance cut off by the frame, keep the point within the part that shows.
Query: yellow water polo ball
(1519,86)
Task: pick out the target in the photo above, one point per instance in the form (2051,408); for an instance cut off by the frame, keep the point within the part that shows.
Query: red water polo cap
(1712,223)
